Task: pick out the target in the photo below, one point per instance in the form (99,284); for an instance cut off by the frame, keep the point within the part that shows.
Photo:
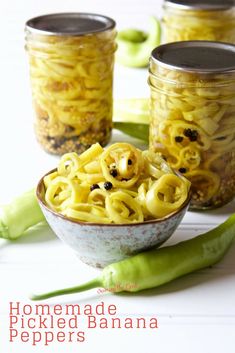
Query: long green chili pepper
(139,131)
(156,267)
(20,214)
(135,46)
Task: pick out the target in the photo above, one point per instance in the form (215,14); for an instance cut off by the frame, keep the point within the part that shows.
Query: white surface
(195,313)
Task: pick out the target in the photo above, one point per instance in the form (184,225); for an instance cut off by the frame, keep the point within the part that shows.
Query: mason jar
(192,120)
(71,57)
(212,20)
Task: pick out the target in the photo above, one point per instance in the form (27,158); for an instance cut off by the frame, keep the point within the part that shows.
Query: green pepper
(131,116)
(156,267)
(134,46)
(22,213)
(132,110)
(139,131)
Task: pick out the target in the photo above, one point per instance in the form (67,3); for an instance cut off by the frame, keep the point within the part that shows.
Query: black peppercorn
(94,186)
(179,138)
(182,170)
(129,162)
(108,185)
(191,134)
(114,172)
(187,132)
(194,135)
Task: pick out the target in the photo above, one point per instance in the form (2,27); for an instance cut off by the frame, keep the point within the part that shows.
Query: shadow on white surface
(38,234)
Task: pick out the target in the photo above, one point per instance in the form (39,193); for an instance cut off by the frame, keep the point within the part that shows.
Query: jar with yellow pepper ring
(71,59)
(193,116)
(199,20)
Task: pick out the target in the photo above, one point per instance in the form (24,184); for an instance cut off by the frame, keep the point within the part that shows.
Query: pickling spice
(108,185)
(94,186)
(114,172)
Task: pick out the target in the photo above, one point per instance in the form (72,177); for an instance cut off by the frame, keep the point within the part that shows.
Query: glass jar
(192,120)
(71,57)
(212,20)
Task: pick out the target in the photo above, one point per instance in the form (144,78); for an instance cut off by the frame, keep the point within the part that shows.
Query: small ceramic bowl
(101,244)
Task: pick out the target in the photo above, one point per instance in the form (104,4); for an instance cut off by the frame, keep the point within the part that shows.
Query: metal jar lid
(195,56)
(210,5)
(69,24)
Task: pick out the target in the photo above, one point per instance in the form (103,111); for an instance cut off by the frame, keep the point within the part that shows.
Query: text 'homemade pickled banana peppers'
(71,59)
(193,116)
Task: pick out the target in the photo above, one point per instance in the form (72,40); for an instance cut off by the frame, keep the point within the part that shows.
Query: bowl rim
(42,202)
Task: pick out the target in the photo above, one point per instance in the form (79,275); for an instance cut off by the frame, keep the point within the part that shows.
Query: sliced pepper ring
(128,162)
(69,165)
(122,208)
(166,195)
(205,184)
(61,192)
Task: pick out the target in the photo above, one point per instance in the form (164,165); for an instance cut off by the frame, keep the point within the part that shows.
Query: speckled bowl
(101,244)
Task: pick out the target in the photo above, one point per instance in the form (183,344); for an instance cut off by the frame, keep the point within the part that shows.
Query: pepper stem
(94,283)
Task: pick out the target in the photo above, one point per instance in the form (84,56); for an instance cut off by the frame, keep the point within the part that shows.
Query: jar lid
(69,24)
(196,56)
(209,5)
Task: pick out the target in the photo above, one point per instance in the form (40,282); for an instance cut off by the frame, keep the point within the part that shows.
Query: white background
(196,313)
